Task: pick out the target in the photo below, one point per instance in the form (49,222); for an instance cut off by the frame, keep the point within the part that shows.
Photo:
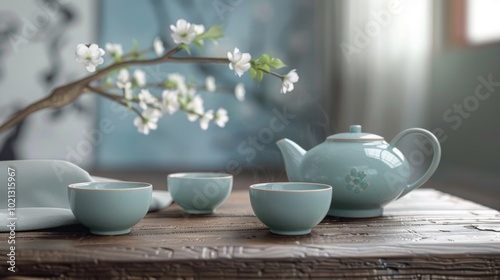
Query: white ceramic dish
(41,199)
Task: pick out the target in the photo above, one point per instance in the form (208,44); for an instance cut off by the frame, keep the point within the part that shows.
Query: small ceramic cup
(200,192)
(109,208)
(290,208)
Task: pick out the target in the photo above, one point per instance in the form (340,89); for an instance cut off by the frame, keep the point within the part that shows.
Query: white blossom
(179,81)
(195,108)
(139,78)
(183,32)
(152,113)
(146,98)
(148,121)
(288,81)
(210,84)
(91,56)
(221,117)
(114,49)
(122,82)
(199,29)
(206,118)
(190,92)
(239,92)
(239,62)
(170,101)
(123,79)
(127,93)
(158,46)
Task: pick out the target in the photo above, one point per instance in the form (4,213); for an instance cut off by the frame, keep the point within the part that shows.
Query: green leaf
(276,63)
(135,45)
(186,48)
(265,67)
(253,73)
(198,44)
(169,84)
(260,76)
(108,81)
(215,32)
(116,57)
(264,59)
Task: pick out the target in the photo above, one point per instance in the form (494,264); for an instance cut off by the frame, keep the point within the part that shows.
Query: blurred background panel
(287,29)
(37,43)
(464,104)
(385,64)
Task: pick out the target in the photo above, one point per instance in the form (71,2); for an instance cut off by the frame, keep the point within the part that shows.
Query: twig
(116,98)
(137,53)
(66,94)
(272,73)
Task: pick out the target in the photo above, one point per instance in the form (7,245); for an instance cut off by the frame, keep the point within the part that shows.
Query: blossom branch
(177,94)
(198,60)
(64,95)
(115,98)
(137,53)
(103,72)
(271,72)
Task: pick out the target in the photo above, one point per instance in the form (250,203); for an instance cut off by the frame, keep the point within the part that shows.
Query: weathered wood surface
(426,234)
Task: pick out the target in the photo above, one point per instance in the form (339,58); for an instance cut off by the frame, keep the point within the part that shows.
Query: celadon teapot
(365,171)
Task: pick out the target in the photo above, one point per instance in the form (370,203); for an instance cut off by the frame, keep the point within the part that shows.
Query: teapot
(365,171)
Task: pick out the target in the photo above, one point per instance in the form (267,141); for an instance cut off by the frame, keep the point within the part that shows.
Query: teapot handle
(435,159)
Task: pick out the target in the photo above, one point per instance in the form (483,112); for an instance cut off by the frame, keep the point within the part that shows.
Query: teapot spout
(292,155)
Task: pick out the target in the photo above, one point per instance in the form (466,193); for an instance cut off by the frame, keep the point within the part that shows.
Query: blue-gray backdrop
(285,28)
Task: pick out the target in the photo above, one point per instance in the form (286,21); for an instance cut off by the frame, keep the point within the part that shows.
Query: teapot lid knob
(354,135)
(355,128)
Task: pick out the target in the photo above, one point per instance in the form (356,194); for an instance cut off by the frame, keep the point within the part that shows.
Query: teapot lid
(354,135)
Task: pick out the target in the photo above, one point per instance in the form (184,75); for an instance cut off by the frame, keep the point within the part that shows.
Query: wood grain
(425,234)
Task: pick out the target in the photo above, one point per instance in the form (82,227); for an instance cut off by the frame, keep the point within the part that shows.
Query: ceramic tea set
(364,171)
(351,174)
(52,193)
(112,208)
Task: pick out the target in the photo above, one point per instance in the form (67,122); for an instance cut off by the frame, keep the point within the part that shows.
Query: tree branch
(198,59)
(60,97)
(272,73)
(115,98)
(103,72)
(66,94)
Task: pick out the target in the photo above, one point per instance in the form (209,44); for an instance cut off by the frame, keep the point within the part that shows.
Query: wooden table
(425,234)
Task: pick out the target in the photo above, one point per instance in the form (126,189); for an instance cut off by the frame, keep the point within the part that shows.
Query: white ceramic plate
(38,188)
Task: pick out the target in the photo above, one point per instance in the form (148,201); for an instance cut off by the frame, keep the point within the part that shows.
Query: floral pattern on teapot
(356,181)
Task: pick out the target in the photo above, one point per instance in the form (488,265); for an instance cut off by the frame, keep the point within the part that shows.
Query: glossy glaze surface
(290,208)
(365,171)
(109,208)
(198,192)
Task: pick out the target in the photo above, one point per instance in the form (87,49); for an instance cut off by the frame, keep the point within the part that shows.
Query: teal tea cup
(290,208)
(109,208)
(199,192)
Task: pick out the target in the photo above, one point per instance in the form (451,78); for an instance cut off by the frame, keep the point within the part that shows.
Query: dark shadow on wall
(9,149)
(53,38)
